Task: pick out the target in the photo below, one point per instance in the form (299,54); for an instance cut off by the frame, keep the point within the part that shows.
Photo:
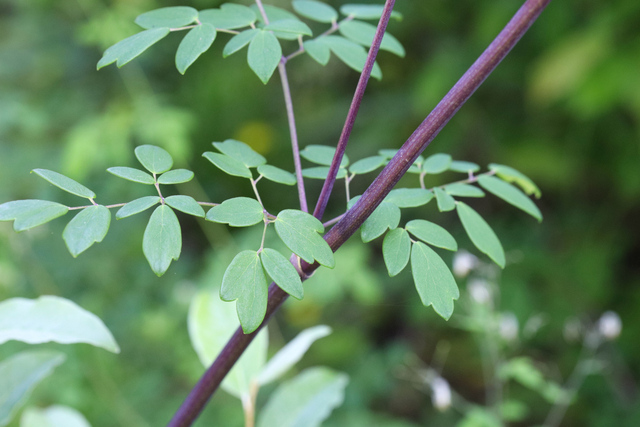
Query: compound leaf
(445,201)
(292,26)
(396,249)
(136,206)
(239,41)
(363,33)
(299,231)
(171,17)
(319,51)
(509,194)
(409,197)
(31,213)
(386,216)
(321,172)
(432,234)
(228,164)
(241,152)
(197,41)
(436,163)
(162,241)
(463,190)
(132,174)
(351,53)
(322,155)
(186,204)
(366,11)
(509,174)
(89,226)
(176,176)
(280,269)
(315,10)
(276,174)
(463,167)
(273,13)
(433,279)
(66,184)
(368,164)
(128,49)
(237,212)
(481,233)
(153,158)
(229,17)
(264,55)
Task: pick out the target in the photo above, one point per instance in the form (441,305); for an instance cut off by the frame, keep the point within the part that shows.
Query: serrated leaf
(351,53)
(292,26)
(322,155)
(136,206)
(436,163)
(241,152)
(170,17)
(509,194)
(432,234)
(162,241)
(30,213)
(445,201)
(237,212)
(186,204)
(463,190)
(154,159)
(65,183)
(239,41)
(321,172)
(366,11)
(19,375)
(128,49)
(386,216)
(264,55)
(291,353)
(53,416)
(433,279)
(276,174)
(315,10)
(396,250)
(480,233)
(309,399)
(363,33)
(463,167)
(368,164)
(89,226)
(299,231)
(244,281)
(51,318)
(280,269)
(132,174)
(319,51)
(228,164)
(197,41)
(509,174)
(229,17)
(409,197)
(176,176)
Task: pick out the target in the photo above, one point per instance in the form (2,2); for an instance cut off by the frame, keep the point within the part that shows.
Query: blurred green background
(564,108)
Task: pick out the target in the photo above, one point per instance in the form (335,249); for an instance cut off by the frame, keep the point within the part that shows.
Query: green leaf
(396,249)
(264,55)
(176,176)
(162,241)
(50,318)
(292,26)
(53,416)
(463,190)
(366,11)
(89,226)
(368,164)
(132,174)
(386,216)
(275,174)
(171,17)
(445,201)
(128,49)
(319,51)
(315,10)
(211,324)
(464,167)
(244,281)
(280,269)
(241,152)
(154,159)
(273,13)
(481,233)
(299,231)
(30,213)
(291,353)
(509,194)
(388,153)
(239,41)
(363,33)
(229,17)
(19,375)
(197,41)
(136,206)
(228,164)
(237,212)
(186,204)
(309,399)
(509,174)
(322,155)
(436,163)
(321,172)
(432,234)
(433,279)
(409,197)
(64,183)
(351,53)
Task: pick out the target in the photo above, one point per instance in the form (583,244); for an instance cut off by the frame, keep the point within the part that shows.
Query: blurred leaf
(524,371)
(445,201)
(162,241)
(154,159)
(368,164)
(278,175)
(396,249)
(351,53)
(132,174)
(322,155)
(321,172)
(228,164)
(239,41)
(19,374)
(89,226)
(478,416)
(237,212)
(31,213)
(463,190)
(244,281)
(131,47)
(291,353)
(306,400)
(315,10)
(281,271)
(241,152)
(186,204)
(293,26)
(171,17)
(386,216)
(197,41)
(509,174)
(51,318)
(481,233)
(229,17)
(319,51)
(176,176)
(273,13)
(432,234)
(299,231)
(510,194)
(409,197)
(264,55)
(366,11)
(136,206)
(363,33)
(66,184)
(433,279)
(436,163)
(53,416)
(463,167)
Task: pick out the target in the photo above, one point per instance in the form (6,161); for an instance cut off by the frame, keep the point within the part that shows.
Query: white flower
(440,393)
(508,326)
(463,263)
(609,325)
(479,291)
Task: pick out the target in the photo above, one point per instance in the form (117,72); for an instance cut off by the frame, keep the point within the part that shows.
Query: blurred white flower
(479,291)
(463,263)
(508,326)
(533,324)
(440,393)
(610,325)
